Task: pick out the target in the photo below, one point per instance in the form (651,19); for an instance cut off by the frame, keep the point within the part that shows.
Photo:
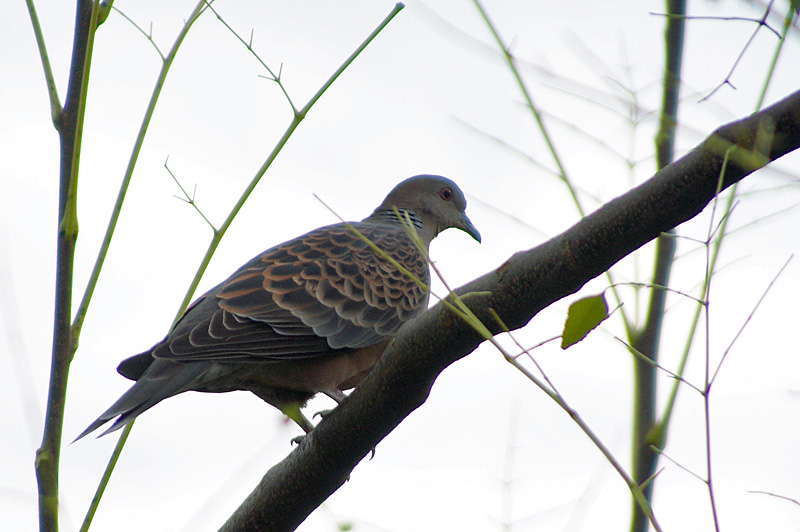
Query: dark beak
(466,226)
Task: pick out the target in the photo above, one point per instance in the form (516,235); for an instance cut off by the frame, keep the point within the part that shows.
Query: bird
(311,315)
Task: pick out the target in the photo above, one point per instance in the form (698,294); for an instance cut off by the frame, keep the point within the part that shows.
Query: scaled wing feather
(319,293)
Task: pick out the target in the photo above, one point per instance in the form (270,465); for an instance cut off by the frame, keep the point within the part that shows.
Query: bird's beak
(466,226)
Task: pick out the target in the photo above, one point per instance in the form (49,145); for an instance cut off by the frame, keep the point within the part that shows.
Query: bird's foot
(322,413)
(336,395)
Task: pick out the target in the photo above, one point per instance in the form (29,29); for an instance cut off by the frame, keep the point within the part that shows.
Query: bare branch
(749,317)
(760,21)
(776,495)
(249,45)
(147,34)
(727,80)
(641,356)
(683,467)
(187,198)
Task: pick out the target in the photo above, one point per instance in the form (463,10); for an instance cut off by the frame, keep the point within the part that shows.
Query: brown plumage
(310,315)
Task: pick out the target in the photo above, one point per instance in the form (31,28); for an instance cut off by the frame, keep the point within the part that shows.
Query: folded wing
(314,295)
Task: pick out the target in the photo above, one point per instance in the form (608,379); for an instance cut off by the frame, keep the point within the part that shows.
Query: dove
(311,315)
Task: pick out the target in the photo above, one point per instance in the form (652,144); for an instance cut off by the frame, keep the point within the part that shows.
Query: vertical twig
(69,124)
(706,296)
(52,90)
(711,261)
(646,431)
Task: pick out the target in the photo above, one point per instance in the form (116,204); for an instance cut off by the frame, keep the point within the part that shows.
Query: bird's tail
(163,379)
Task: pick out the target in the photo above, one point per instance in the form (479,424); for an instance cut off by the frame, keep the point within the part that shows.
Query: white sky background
(396,112)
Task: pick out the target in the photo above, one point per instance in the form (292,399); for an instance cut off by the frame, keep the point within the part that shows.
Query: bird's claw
(322,413)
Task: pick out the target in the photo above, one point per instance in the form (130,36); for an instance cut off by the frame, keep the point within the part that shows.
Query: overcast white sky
(410,104)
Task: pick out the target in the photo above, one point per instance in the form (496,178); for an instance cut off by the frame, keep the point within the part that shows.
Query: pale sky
(410,104)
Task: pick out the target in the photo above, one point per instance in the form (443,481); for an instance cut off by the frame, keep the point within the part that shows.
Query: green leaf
(584,315)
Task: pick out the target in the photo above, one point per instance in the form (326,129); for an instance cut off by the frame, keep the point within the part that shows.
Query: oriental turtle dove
(310,315)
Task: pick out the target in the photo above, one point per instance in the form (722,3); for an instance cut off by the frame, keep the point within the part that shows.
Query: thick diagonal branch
(522,286)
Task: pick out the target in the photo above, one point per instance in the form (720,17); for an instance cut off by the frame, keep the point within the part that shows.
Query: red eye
(446,193)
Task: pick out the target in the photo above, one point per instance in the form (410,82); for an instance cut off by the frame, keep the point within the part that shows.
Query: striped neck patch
(389,215)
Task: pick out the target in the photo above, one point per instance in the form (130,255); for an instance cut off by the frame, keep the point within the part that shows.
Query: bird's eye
(446,193)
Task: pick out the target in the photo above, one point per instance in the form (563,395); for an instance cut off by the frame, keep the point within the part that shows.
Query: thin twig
(709,268)
(792,185)
(683,237)
(526,94)
(187,198)
(737,230)
(594,139)
(661,287)
(760,21)
(550,389)
(521,153)
(762,219)
(508,146)
(516,219)
(722,220)
(249,46)
(52,90)
(776,495)
(411,231)
(554,81)
(665,455)
(526,351)
(632,486)
(793,7)
(727,80)
(641,356)
(296,119)
(749,317)
(651,478)
(538,345)
(147,34)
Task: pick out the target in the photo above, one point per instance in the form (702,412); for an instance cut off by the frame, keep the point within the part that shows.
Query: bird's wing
(324,291)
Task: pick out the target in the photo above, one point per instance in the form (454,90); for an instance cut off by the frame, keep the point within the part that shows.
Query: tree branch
(522,286)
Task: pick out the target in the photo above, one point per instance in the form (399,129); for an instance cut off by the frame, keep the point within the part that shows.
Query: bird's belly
(330,372)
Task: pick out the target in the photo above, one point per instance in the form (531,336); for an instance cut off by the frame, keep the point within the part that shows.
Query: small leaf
(584,315)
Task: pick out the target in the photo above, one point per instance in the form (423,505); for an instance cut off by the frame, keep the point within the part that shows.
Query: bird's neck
(401,217)
(396,216)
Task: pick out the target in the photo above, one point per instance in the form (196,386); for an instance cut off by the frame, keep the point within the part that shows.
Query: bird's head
(435,201)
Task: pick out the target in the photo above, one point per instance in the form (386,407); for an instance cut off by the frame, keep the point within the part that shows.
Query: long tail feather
(162,379)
